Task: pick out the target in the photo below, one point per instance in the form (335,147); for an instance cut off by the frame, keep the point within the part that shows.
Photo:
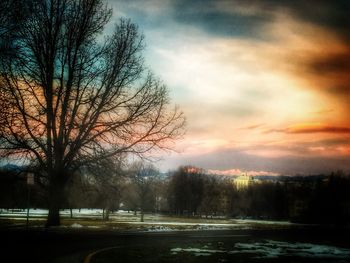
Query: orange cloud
(314,128)
(252,127)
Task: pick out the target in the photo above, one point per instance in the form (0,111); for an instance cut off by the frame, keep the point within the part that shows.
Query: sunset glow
(264,86)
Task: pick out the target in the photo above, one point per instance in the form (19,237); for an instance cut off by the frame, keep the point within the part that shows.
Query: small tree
(144,178)
(212,195)
(106,178)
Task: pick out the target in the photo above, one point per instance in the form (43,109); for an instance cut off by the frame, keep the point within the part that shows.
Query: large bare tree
(74,96)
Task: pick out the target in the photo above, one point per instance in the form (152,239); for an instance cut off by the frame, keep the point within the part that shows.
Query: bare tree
(186,190)
(75,97)
(107,178)
(143,178)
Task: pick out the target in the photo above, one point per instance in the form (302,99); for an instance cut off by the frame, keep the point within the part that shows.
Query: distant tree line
(307,199)
(190,192)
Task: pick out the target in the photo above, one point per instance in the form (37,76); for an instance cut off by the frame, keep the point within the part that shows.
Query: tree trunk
(53,218)
(106,214)
(142,215)
(55,202)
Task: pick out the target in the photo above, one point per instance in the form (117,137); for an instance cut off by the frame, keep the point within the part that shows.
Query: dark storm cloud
(331,63)
(240,18)
(208,16)
(223,17)
(333,14)
(334,66)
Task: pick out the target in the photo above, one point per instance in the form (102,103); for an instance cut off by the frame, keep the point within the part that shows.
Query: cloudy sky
(265,85)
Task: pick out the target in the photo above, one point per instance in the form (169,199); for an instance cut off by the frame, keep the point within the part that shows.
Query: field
(163,238)
(124,220)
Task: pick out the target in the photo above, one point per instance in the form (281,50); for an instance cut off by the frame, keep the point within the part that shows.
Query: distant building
(243,181)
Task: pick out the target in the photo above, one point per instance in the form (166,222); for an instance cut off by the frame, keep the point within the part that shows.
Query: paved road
(72,245)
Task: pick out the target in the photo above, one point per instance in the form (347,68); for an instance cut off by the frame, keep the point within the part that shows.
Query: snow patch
(262,222)
(75,225)
(212,227)
(274,249)
(196,251)
(159,229)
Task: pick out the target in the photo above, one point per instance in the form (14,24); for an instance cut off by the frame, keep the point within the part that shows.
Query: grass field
(124,220)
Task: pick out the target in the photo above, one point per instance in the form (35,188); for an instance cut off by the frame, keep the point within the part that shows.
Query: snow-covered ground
(180,226)
(265,222)
(196,251)
(44,212)
(76,225)
(123,219)
(184,224)
(273,249)
(159,229)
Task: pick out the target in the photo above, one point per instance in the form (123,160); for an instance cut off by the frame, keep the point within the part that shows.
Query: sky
(264,85)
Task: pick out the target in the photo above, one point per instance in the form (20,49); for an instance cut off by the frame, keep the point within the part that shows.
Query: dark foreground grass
(164,254)
(72,245)
(218,246)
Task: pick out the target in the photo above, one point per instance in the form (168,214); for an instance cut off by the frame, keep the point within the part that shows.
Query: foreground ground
(91,240)
(74,245)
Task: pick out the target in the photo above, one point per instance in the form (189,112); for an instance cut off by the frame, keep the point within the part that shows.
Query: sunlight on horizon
(242,91)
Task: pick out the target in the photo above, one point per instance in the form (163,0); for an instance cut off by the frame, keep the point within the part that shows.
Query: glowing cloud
(264,81)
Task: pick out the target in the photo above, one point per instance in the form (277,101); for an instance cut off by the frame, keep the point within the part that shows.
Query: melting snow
(75,225)
(159,229)
(44,212)
(273,249)
(265,222)
(196,251)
